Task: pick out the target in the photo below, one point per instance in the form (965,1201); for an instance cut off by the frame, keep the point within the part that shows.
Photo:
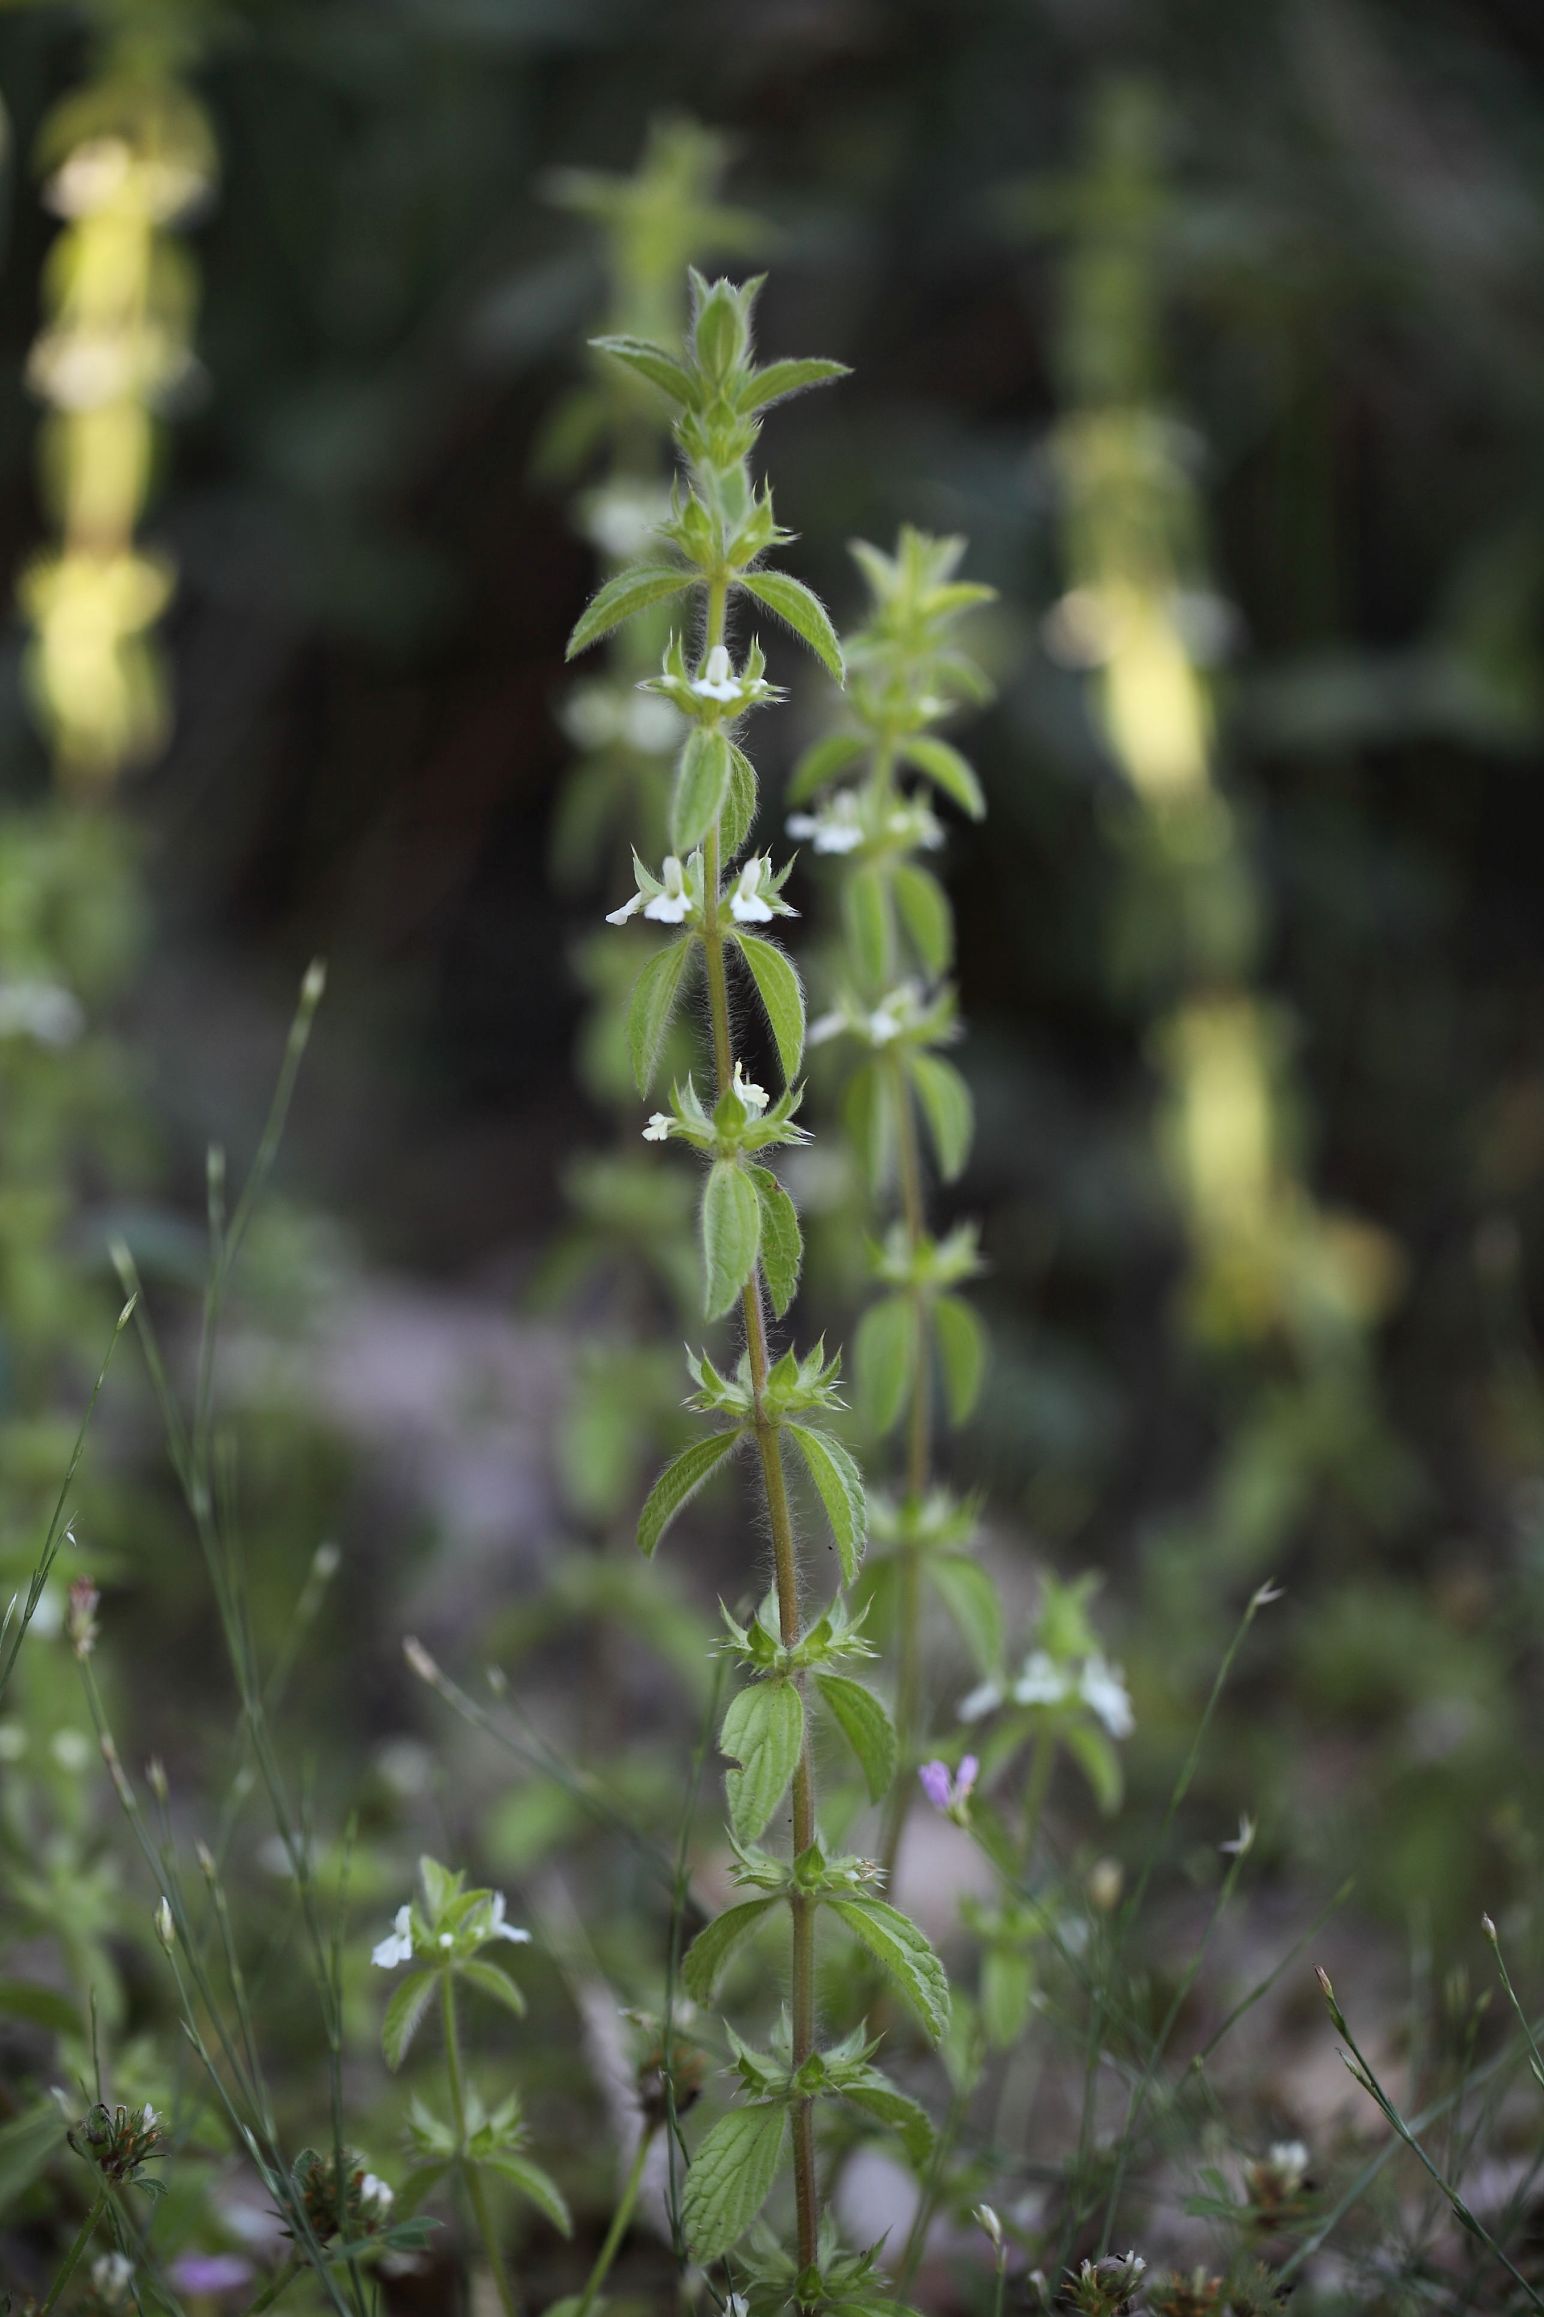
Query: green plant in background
(714,546)
(895,1006)
(1274,1279)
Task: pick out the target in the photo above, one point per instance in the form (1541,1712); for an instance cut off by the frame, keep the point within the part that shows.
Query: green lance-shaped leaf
(1099,1762)
(631,591)
(802,609)
(731,1234)
(782,994)
(739,805)
(731,2178)
(947,770)
(712,1947)
(894,1940)
(826,761)
(701,787)
(868,1116)
(840,1487)
(532,2183)
(651,1008)
(970,1597)
(926,915)
(947,1107)
(883,1356)
(867,1727)
(879,2098)
(650,362)
(782,1241)
(404,2014)
(780,379)
(764,1733)
(962,1352)
(497,1985)
(678,1483)
(866,920)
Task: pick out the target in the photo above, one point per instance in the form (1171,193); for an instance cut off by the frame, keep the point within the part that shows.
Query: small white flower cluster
(375,2195)
(41,1011)
(753,1100)
(898,1011)
(620,519)
(676,893)
(596,716)
(839,826)
(409,1937)
(1047,1681)
(719,682)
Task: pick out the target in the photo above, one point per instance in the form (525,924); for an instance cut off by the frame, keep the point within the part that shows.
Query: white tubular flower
(753,1098)
(497,1928)
(659,1126)
(1043,1682)
(755,900)
(397,1947)
(718,680)
(668,898)
(374,2193)
(983,1700)
(1102,1687)
(836,828)
(896,1012)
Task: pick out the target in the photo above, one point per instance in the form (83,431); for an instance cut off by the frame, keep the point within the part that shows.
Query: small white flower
(41,1011)
(748,903)
(1103,1689)
(497,1928)
(836,828)
(447,1939)
(398,1946)
(667,898)
(883,1025)
(983,1700)
(1243,1841)
(825,1027)
(753,1098)
(1042,1682)
(659,1126)
(651,725)
(373,2191)
(718,680)
(1289,2159)
(111,2275)
(621,518)
(987,2221)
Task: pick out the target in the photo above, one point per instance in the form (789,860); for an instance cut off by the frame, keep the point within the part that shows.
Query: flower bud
(165,1929)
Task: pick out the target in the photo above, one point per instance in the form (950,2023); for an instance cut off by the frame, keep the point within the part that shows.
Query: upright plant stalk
(894,999)
(714,544)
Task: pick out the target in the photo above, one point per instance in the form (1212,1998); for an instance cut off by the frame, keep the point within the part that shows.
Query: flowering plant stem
(909,1719)
(620,2222)
(77,2251)
(476,2186)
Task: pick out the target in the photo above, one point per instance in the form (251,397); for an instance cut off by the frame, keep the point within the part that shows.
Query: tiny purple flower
(936,1784)
(211,2273)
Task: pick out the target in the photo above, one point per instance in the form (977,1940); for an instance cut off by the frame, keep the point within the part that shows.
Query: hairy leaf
(802,609)
(780,379)
(961,1352)
(712,1947)
(782,1241)
(970,1597)
(946,769)
(895,1942)
(650,362)
(825,762)
(731,2178)
(630,592)
(731,1234)
(781,993)
(926,915)
(867,1727)
(763,1732)
(701,787)
(840,1486)
(651,1008)
(410,1999)
(947,1107)
(533,2183)
(884,1360)
(678,1483)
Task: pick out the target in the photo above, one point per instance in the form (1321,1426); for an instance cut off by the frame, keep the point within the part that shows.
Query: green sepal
(782,995)
(782,1241)
(947,1107)
(731,1234)
(713,1946)
(678,1483)
(839,1484)
(867,1727)
(651,1008)
(905,1953)
(763,1732)
(804,612)
(701,787)
(731,2178)
(630,592)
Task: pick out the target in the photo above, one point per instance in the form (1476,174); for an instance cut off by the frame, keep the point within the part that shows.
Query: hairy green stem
(476,2187)
(785,1552)
(73,2257)
(919,1450)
